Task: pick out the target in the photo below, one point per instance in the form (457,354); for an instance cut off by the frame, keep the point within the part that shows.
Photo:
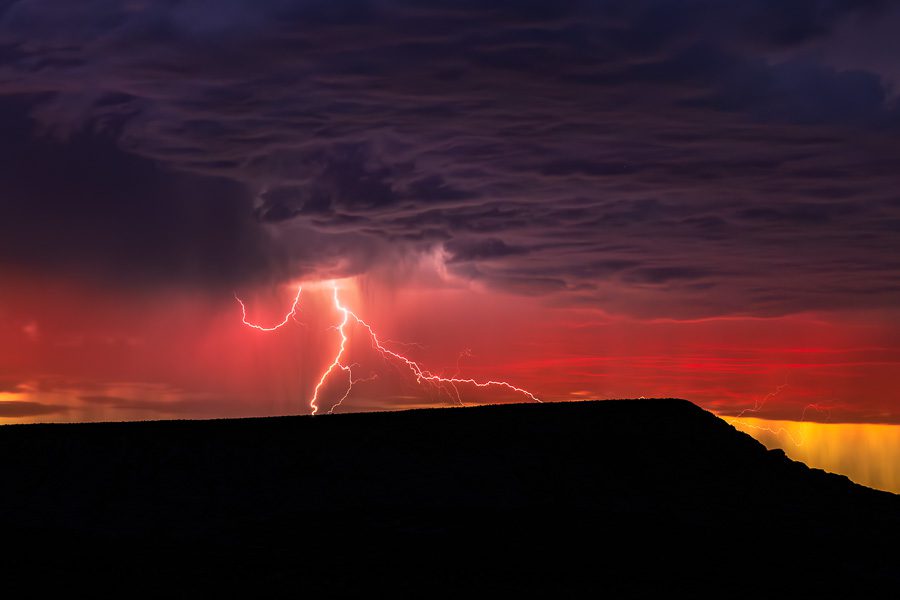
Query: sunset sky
(586,199)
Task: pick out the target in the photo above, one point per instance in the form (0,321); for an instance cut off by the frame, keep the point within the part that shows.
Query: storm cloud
(23,408)
(668,158)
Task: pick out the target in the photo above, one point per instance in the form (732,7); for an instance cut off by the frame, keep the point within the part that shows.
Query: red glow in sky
(75,353)
(421,375)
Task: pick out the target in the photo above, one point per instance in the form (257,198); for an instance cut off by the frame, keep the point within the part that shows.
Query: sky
(585,199)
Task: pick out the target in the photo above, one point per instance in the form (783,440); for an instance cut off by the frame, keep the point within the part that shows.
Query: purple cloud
(711,157)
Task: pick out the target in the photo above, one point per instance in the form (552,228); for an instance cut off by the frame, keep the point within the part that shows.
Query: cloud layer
(649,157)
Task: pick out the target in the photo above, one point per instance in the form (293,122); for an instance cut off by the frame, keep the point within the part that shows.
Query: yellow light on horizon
(867,453)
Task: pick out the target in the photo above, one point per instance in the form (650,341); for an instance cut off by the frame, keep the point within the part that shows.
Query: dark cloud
(667,274)
(8,385)
(104,400)
(713,156)
(85,208)
(23,408)
(803,93)
(184,405)
(157,406)
(463,250)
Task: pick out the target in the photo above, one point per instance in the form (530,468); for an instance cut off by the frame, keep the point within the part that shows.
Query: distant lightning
(758,404)
(816,407)
(421,375)
(287,317)
(780,431)
(777,432)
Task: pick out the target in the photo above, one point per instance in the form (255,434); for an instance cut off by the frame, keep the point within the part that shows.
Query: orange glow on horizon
(867,453)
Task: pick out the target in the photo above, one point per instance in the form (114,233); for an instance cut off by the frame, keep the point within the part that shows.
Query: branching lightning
(421,375)
(284,322)
(336,363)
(758,404)
(780,431)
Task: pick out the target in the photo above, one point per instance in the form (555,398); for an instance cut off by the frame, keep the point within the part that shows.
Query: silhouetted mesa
(623,496)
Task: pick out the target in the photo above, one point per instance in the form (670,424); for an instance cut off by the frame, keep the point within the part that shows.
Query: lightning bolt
(781,431)
(421,375)
(287,317)
(777,432)
(758,404)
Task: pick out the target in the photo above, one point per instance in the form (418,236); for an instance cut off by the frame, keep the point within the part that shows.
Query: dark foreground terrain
(612,498)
